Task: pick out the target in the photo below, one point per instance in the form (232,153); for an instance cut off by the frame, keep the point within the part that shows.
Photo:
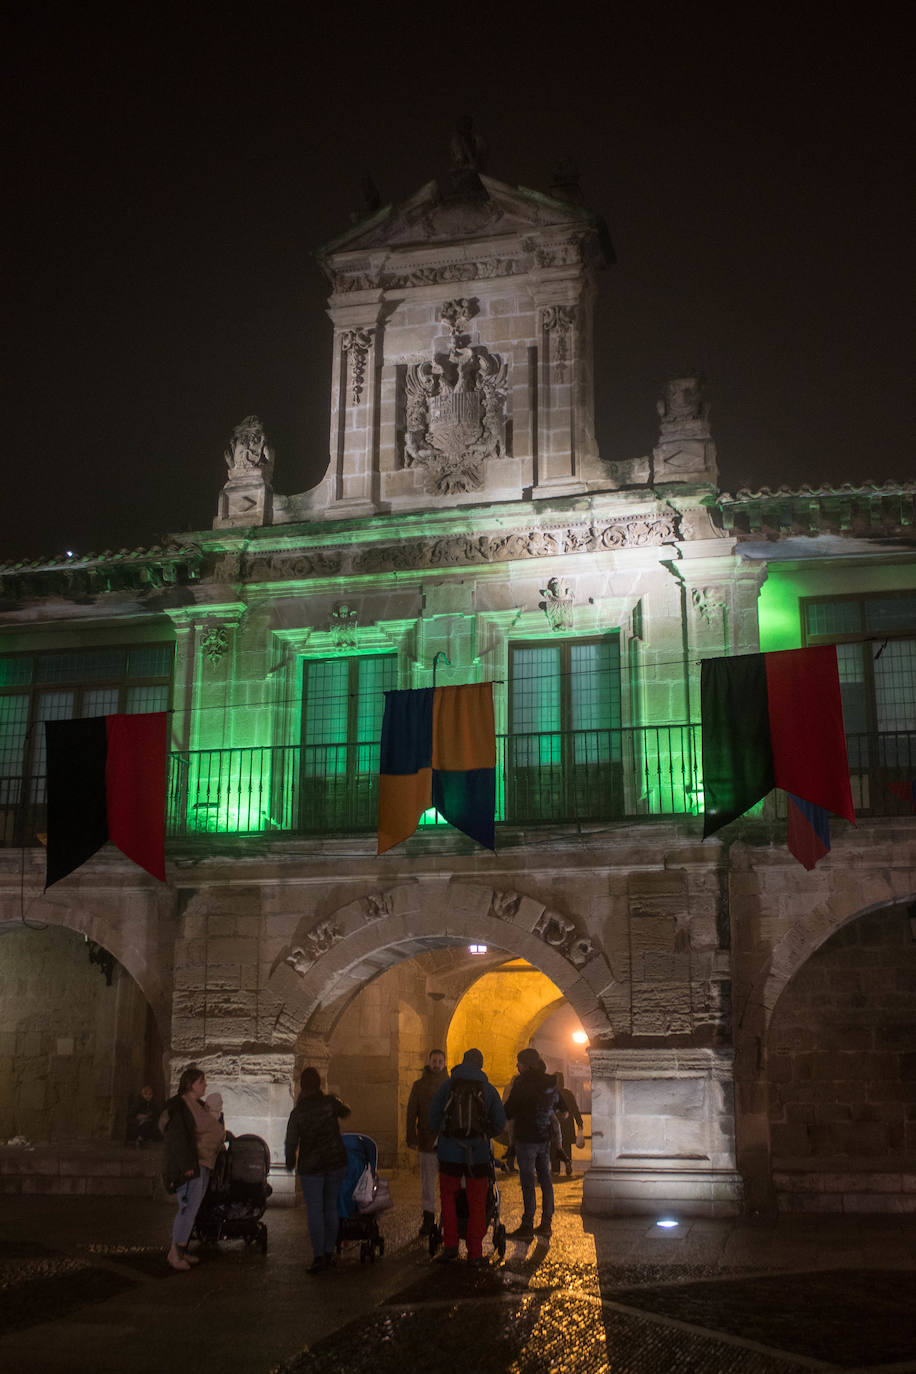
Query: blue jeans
(533,1158)
(320,1192)
(189,1197)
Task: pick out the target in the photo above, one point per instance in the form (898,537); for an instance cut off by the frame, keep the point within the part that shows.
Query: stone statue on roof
(467,147)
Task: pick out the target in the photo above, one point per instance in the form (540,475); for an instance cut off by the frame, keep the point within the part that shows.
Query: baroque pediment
(434,215)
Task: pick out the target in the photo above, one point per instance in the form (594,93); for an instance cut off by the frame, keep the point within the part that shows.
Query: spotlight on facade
(579,1037)
(477,949)
(666,1223)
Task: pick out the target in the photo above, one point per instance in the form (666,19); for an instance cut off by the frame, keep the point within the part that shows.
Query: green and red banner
(106,781)
(438,749)
(773,720)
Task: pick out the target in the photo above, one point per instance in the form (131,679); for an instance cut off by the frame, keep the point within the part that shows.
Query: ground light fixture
(666,1223)
(477,949)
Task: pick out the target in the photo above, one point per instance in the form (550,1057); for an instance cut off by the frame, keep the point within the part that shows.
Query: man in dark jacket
(421,1138)
(469,1097)
(530,1107)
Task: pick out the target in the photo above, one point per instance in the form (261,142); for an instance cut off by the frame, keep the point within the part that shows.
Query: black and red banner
(106,781)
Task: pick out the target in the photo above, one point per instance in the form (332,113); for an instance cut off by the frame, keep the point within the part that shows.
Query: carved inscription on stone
(318,941)
(560,933)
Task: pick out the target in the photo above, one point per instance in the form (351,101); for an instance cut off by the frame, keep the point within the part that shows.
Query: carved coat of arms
(456,408)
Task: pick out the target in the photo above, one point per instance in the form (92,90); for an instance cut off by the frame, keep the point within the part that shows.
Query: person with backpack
(464,1113)
(421,1138)
(530,1107)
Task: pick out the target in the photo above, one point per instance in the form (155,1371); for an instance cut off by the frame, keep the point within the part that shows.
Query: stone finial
(467,148)
(683,410)
(248,451)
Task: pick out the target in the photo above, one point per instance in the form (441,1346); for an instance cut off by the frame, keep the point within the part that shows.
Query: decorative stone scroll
(505,904)
(356,343)
(342,626)
(557,604)
(215,643)
(558,320)
(318,941)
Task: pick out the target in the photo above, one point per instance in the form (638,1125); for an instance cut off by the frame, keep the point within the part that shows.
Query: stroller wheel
(435,1240)
(499,1240)
(262,1238)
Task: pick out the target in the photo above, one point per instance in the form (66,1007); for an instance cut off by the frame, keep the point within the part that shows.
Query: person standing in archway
(464,1113)
(570,1124)
(421,1137)
(530,1107)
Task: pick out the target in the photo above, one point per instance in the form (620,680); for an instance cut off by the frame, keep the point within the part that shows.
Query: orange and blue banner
(438,749)
(106,781)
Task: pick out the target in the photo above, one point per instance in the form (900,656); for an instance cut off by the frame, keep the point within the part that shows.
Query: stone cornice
(868,511)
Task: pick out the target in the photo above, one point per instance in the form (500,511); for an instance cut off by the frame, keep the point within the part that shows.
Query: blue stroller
(355,1227)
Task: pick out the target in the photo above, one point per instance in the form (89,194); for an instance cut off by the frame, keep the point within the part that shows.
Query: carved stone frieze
(631,532)
(356,343)
(273,567)
(558,604)
(317,941)
(707,602)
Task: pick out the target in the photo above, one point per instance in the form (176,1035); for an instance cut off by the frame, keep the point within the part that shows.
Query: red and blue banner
(106,781)
(775,720)
(807,832)
(438,749)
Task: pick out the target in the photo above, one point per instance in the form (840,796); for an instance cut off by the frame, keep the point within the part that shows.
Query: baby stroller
(237,1194)
(358,1227)
(461,1211)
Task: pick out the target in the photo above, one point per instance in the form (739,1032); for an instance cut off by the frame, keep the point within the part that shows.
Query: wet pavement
(84,1287)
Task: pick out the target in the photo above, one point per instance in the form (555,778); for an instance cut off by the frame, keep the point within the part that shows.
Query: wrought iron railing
(550,777)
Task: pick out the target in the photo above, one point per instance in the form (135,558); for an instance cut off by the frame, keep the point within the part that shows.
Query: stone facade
(468,517)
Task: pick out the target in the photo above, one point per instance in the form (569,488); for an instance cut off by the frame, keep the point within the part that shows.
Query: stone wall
(842,1048)
(73,1051)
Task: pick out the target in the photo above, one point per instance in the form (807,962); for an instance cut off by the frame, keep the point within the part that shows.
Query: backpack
(466,1115)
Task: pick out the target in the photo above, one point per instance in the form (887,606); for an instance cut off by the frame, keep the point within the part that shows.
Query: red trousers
(476,1189)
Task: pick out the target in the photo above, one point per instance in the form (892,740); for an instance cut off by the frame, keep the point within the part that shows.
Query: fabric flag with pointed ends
(773,720)
(106,781)
(438,749)
(906,791)
(807,832)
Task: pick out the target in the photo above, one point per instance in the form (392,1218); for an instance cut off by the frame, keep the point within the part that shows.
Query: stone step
(81,1167)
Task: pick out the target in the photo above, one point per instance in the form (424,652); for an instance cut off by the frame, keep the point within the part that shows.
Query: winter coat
(419,1135)
(571,1121)
(460,1154)
(180,1135)
(531,1104)
(313,1143)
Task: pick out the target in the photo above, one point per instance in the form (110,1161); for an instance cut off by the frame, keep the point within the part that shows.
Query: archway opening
(79,1039)
(841,1067)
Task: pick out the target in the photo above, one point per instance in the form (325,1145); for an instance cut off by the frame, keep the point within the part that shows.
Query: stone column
(663,1135)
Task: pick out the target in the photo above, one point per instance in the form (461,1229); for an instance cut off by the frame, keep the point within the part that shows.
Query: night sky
(171,177)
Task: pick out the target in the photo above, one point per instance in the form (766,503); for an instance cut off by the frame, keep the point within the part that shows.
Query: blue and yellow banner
(438,749)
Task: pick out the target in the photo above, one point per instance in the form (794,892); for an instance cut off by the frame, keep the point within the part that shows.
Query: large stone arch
(362,938)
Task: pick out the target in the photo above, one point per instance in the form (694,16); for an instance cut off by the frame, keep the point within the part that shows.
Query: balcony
(549,778)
